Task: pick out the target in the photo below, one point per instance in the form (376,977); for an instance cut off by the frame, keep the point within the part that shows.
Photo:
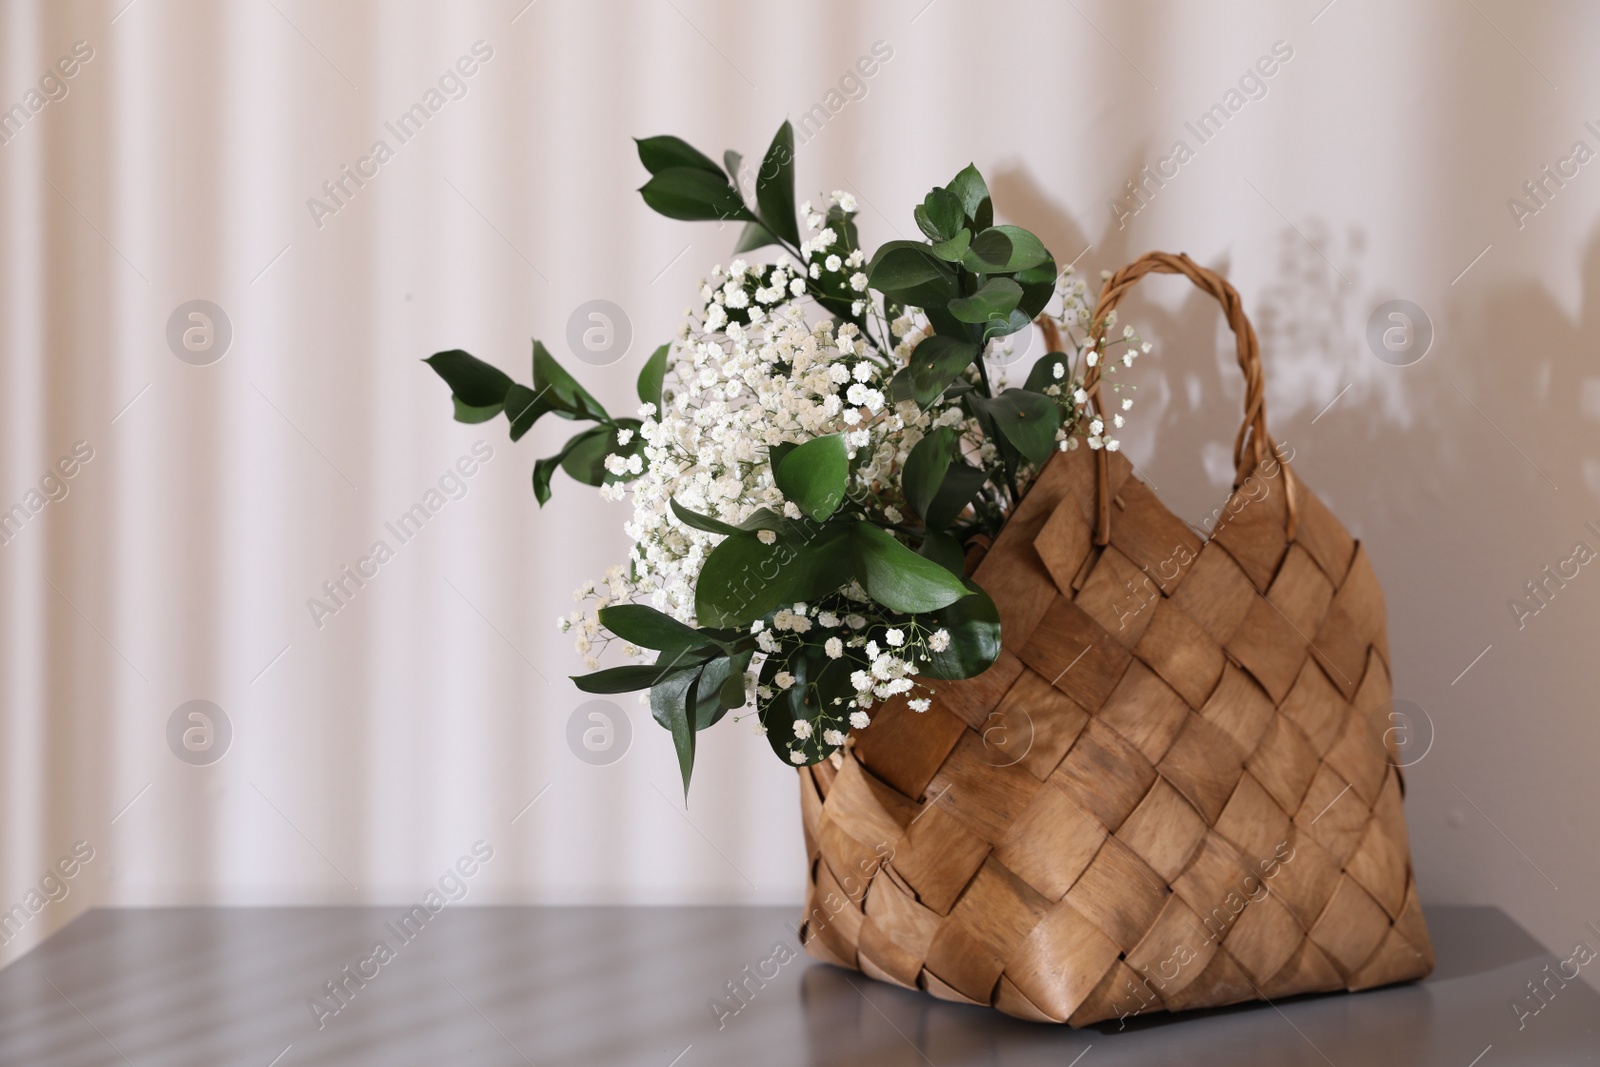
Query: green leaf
(814,475)
(776,717)
(925,468)
(897,577)
(953,250)
(475,383)
(775,186)
(753,236)
(742,580)
(701,522)
(945,550)
(652,375)
(709,706)
(939,216)
(630,678)
(731,162)
(1005,250)
(994,299)
(961,484)
(665,152)
(970,188)
(1038,287)
(1043,375)
(973,623)
(670,703)
(523,407)
(935,361)
(767,519)
(822,562)
(694,195)
(585,456)
(905,265)
(467,413)
(733,692)
(1001,325)
(1027,420)
(642,625)
(545,469)
(560,390)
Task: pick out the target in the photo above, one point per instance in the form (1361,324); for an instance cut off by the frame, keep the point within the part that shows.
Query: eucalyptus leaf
(934,362)
(709,708)
(904,265)
(694,195)
(945,550)
(584,458)
(973,623)
(1038,286)
(560,390)
(897,577)
(1027,420)
(925,468)
(523,408)
(1043,373)
(953,250)
(1005,250)
(652,375)
(467,413)
(775,186)
(671,703)
(704,523)
(970,188)
(743,579)
(642,625)
(1013,321)
(994,299)
(940,215)
(814,475)
(961,484)
(754,236)
(663,152)
(630,678)
(475,383)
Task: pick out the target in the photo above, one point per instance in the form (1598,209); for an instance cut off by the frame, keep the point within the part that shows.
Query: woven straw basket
(1171,791)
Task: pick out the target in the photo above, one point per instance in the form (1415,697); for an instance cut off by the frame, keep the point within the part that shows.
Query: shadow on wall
(1467,473)
(1189,395)
(1382,438)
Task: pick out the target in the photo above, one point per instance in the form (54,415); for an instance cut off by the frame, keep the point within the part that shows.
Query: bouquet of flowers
(815,452)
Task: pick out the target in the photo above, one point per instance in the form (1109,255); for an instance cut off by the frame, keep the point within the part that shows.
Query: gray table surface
(632,987)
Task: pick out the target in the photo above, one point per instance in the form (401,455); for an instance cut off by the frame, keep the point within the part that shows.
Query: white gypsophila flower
(802,729)
(920,704)
(797,757)
(833,737)
(748,371)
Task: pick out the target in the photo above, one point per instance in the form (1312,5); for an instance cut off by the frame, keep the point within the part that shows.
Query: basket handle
(1252,444)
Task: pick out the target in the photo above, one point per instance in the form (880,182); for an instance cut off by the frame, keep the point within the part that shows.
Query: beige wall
(427,714)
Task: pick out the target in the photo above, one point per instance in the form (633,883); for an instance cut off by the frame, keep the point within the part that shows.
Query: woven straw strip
(1173,790)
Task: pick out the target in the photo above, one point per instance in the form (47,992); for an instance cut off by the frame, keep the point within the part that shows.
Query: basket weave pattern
(1171,791)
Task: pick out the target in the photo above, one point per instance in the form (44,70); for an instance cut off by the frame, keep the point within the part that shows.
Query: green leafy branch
(481,391)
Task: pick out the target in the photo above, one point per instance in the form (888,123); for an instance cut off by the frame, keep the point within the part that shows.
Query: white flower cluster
(748,372)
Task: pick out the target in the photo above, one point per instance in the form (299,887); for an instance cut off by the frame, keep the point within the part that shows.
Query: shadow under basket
(1175,788)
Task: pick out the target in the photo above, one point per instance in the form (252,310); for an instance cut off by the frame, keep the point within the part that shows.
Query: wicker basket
(1172,789)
